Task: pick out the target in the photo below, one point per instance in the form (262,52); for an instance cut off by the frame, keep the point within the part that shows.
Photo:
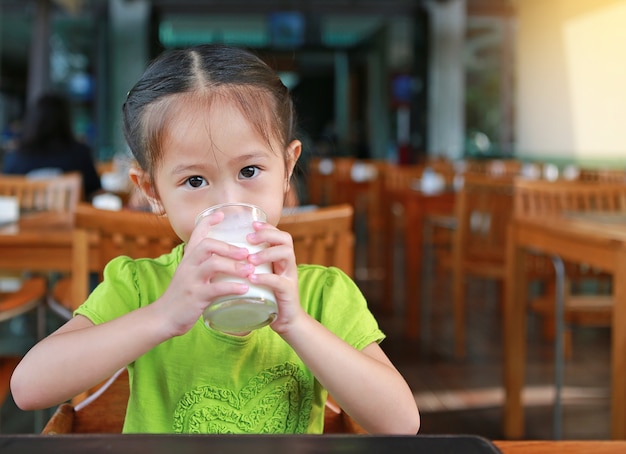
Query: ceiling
(17,17)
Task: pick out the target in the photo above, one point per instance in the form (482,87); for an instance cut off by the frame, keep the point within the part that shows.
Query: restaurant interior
(478,143)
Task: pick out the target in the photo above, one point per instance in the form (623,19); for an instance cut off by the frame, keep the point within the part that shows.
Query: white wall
(571,80)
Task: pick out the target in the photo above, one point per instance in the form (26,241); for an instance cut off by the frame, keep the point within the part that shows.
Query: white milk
(241,313)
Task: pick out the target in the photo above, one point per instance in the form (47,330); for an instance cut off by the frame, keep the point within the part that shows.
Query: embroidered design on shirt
(277,400)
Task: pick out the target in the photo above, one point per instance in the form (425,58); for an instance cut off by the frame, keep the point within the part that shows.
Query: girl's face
(216,156)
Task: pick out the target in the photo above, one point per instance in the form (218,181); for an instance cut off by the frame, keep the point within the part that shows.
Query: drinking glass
(257,307)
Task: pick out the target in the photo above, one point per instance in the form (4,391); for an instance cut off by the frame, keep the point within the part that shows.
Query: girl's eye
(196,182)
(249,172)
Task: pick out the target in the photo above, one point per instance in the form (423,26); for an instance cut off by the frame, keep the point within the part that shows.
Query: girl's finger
(203,227)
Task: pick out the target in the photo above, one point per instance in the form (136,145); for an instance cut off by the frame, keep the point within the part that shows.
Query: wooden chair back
(540,198)
(323,177)
(483,209)
(360,183)
(400,177)
(100,236)
(603,175)
(495,168)
(323,236)
(57,193)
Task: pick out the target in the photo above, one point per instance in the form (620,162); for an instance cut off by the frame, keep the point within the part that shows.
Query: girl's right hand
(193,287)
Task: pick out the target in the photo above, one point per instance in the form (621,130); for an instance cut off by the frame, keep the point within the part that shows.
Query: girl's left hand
(284,280)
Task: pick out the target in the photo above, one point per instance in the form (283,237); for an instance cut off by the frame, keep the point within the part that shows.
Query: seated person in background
(48,142)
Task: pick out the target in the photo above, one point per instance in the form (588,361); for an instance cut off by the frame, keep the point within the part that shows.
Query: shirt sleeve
(129,284)
(334,299)
(116,295)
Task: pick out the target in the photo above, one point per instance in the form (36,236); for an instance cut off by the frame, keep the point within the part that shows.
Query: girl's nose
(229,194)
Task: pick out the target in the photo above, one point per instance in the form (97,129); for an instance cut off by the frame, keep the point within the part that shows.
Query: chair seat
(581,310)
(23,300)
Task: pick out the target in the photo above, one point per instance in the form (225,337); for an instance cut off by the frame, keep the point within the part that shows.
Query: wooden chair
(101,235)
(358,182)
(104,412)
(322,177)
(323,236)
(496,168)
(398,179)
(58,193)
(543,199)
(28,297)
(483,209)
(317,179)
(603,175)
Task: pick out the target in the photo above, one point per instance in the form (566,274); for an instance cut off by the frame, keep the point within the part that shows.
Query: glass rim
(229,204)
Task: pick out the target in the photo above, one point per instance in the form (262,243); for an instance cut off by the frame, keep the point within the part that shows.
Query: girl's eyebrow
(251,156)
(182,168)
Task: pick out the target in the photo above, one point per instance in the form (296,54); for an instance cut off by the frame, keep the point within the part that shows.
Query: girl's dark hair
(47,122)
(201,73)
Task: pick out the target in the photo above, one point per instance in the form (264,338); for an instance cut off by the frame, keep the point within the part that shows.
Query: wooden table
(38,242)
(554,447)
(585,239)
(418,206)
(249,444)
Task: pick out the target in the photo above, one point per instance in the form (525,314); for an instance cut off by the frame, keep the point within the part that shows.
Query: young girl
(207,125)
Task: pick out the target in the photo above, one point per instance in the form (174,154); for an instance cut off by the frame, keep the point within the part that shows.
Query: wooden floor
(465,397)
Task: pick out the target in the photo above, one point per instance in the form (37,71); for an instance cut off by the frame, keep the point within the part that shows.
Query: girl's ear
(143,182)
(292,154)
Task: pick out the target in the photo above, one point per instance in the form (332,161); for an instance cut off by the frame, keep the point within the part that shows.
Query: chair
(57,193)
(323,236)
(397,180)
(543,199)
(104,412)
(101,235)
(322,177)
(358,182)
(483,209)
(496,168)
(603,175)
(28,297)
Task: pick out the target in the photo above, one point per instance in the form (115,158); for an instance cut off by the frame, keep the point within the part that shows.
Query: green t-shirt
(206,381)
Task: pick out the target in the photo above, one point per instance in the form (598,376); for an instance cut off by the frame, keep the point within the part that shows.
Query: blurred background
(383,79)
(388,79)
(402,81)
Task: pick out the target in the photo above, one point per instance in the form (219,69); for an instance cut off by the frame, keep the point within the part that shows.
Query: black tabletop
(246,444)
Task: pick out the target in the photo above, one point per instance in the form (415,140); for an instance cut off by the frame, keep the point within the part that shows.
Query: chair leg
(41,321)
(559,315)
(458,301)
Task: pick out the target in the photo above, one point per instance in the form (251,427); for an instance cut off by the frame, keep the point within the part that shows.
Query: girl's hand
(193,286)
(284,280)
